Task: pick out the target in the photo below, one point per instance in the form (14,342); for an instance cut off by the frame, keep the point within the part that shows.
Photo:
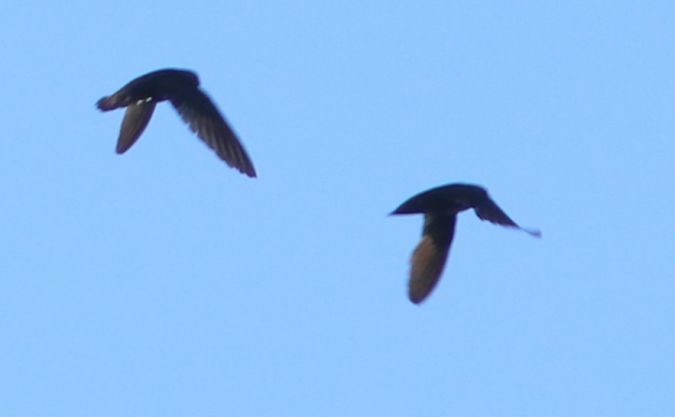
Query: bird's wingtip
(532,232)
(416,299)
(249,172)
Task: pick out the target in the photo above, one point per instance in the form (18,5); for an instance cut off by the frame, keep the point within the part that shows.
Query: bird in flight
(440,207)
(181,88)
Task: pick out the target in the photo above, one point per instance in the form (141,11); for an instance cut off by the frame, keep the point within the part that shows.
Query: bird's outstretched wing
(135,120)
(205,120)
(430,255)
(490,211)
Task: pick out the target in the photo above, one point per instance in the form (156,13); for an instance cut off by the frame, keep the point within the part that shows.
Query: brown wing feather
(428,259)
(135,120)
(205,120)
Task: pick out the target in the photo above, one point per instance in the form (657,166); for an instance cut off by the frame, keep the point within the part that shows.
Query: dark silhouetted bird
(181,88)
(440,206)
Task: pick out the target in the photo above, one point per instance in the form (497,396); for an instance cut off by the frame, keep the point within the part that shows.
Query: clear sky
(163,283)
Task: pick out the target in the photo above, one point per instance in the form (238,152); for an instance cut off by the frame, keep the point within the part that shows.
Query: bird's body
(440,207)
(451,198)
(181,88)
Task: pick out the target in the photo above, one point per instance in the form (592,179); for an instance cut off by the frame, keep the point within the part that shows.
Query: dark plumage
(440,206)
(181,88)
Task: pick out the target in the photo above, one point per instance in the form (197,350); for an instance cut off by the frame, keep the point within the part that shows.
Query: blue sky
(163,283)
